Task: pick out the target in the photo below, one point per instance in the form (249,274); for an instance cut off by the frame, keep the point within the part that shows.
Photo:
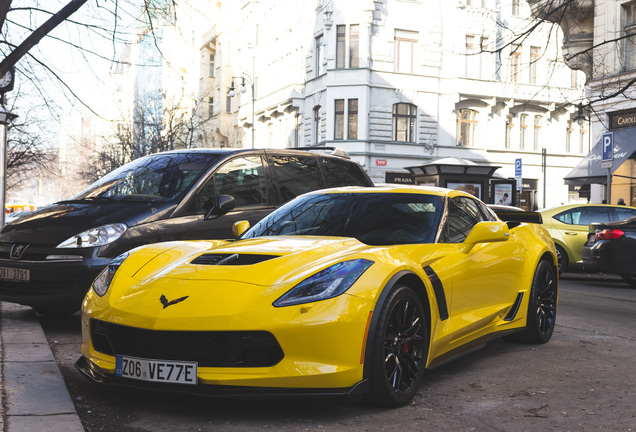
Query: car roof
(554,210)
(397,188)
(221,152)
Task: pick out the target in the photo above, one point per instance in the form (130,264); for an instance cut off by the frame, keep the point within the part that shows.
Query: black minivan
(49,257)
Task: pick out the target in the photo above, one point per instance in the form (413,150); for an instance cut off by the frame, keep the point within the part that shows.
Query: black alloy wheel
(562,259)
(399,351)
(542,306)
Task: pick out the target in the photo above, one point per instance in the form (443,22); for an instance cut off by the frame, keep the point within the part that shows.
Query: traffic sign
(608,146)
(518,167)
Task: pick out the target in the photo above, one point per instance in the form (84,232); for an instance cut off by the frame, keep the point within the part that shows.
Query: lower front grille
(207,348)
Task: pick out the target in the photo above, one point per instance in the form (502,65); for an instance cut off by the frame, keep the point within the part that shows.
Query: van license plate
(166,371)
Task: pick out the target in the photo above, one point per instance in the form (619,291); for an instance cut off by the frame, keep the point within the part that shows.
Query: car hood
(53,224)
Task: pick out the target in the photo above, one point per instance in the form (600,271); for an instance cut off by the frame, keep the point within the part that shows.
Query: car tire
(562,259)
(630,279)
(399,347)
(542,307)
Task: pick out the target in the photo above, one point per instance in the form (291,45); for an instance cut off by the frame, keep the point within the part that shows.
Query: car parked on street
(49,258)
(349,292)
(568,226)
(611,247)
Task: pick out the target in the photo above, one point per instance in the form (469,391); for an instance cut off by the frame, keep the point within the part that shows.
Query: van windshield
(156,178)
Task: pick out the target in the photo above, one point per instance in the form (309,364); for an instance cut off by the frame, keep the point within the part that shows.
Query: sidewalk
(32,391)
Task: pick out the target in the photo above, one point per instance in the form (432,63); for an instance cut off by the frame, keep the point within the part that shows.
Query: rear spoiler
(520,217)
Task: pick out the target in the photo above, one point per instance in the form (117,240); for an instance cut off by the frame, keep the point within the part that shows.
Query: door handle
(570,233)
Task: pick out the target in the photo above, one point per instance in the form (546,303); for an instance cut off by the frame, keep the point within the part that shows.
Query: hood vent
(231,259)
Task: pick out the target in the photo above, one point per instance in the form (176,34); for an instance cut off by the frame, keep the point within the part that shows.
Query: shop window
(467,121)
(404,116)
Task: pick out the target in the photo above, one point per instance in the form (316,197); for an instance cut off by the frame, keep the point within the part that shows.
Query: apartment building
(398,83)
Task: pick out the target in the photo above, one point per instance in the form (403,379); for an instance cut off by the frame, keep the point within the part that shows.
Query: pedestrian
(621,201)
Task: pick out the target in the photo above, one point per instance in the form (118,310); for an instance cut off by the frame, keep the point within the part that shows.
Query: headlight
(326,284)
(102,282)
(99,236)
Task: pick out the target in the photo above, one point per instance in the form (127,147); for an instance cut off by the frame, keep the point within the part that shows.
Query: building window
(405,50)
(467,121)
(629,42)
(582,139)
(515,62)
(211,66)
(320,68)
(477,57)
(404,116)
(568,136)
(228,104)
(210,107)
(535,53)
(317,124)
(516,7)
(339,119)
(509,126)
(341,49)
(354,45)
(352,127)
(523,131)
(538,123)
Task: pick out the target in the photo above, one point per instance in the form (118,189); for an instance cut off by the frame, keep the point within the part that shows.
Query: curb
(32,391)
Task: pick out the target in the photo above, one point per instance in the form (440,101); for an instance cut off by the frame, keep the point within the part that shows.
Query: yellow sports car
(341,292)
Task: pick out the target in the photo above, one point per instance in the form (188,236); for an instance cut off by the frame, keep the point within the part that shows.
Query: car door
(573,225)
(486,278)
(245,179)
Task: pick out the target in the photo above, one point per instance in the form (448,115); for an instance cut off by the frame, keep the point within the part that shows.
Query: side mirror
(486,232)
(224,204)
(240,227)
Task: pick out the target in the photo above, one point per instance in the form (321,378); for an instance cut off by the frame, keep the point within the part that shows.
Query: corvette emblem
(164,301)
(17,250)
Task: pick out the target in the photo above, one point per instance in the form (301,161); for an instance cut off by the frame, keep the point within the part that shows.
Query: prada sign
(623,119)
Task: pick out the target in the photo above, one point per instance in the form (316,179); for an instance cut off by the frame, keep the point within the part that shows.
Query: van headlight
(102,282)
(93,237)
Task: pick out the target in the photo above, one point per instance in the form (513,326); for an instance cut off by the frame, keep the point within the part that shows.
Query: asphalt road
(582,380)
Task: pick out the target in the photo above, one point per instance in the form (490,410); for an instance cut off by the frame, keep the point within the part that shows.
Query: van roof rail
(335,151)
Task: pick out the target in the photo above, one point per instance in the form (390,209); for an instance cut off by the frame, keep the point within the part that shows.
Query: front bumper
(90,371)
(56,285)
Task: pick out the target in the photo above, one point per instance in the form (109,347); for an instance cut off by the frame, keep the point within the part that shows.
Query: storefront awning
(590,170)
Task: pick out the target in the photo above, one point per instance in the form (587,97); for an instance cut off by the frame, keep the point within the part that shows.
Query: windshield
(155,178)
(372,218)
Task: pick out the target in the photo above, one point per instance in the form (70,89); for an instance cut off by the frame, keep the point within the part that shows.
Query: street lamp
(6,117)
(580,117)
(232,92)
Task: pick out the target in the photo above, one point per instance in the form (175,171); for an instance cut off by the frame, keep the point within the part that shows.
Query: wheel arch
(404,277)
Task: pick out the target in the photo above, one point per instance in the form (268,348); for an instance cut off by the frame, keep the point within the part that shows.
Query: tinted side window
(244,179)
(297,175)
(343,173)
(463,215)
(624,213)
(584,215)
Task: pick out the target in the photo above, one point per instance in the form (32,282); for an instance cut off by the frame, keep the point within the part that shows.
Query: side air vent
(231,259)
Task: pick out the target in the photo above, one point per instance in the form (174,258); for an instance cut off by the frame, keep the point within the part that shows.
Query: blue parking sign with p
(517,167)
(608,146)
